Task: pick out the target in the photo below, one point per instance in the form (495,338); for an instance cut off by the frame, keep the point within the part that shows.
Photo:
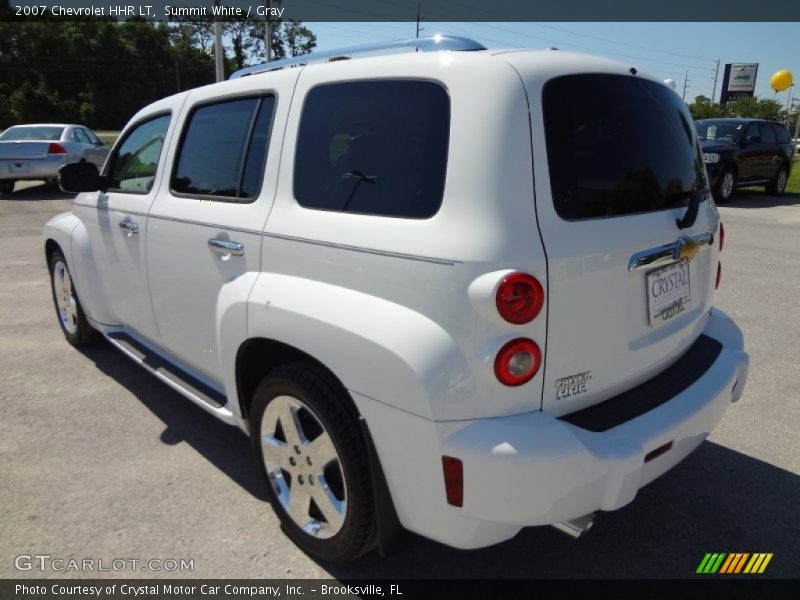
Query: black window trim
(109,165)
(260,95)
(376,79)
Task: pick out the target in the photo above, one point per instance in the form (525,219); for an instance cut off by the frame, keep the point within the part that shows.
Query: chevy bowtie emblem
(689,249)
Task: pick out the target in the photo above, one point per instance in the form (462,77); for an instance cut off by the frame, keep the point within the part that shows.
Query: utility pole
(219,53)
(268,33)
(716,74)
(268,30)
(685,85)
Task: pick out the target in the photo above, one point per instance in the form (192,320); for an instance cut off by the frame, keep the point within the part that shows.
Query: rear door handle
(226,247)
(129,226)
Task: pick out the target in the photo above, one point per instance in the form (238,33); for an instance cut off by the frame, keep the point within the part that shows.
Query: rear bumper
(39,168)
(535,469)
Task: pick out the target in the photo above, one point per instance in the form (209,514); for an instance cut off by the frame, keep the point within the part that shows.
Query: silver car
(38,151)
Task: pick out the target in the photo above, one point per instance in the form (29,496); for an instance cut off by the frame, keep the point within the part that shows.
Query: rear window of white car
(42,133)
(618,145)
(374,147)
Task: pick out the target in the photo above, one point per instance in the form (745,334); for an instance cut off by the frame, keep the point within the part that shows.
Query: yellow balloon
(781,80)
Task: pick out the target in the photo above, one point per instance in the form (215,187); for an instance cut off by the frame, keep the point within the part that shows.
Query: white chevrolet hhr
(459,292)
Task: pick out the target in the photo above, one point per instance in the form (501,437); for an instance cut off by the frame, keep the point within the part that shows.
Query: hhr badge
(572,385)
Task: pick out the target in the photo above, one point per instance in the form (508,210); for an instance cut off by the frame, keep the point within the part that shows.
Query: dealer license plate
(668,292)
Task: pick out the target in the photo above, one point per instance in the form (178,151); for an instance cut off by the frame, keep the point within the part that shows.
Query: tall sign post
(738,81)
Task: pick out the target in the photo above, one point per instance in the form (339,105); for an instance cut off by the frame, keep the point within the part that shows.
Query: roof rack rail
(426,44)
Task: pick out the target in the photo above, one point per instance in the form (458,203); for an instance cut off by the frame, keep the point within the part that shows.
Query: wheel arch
(257,357)
(733,166)
(51,246)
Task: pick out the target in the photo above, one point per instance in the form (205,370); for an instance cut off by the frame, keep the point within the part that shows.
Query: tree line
(747,107)
(99,73)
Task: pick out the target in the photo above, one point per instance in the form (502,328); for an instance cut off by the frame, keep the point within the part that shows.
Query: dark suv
(743,153)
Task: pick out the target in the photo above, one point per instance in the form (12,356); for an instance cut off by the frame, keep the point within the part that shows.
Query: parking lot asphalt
(100,460)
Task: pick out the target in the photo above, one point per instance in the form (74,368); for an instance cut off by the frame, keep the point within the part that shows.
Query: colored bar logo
(734,562)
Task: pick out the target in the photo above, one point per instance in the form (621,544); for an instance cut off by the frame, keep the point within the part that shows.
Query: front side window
(618,145)
(752,135)
(224,149)
(374,147)
(134,165)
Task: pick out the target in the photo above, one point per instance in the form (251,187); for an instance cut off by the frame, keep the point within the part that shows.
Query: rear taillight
(721,236)
(719,275)
(517,362)
(453,480)
(56,149)
(519,298)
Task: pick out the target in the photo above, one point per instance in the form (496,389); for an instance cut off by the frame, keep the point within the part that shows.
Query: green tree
(100,72)
(756,108)
(296,38)
(703,108)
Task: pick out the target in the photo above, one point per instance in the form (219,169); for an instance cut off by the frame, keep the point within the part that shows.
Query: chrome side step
(576,527)
(187,385)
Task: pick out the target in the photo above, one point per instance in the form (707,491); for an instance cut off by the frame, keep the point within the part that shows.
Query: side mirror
(80,177)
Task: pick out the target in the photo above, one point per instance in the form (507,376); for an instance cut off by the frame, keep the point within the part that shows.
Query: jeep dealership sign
(739,80)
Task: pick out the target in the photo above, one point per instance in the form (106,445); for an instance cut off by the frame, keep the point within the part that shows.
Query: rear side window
(223,150)
(618,145)
(781,133)
(93,139)
(767,134)
(374,147)
(79,136)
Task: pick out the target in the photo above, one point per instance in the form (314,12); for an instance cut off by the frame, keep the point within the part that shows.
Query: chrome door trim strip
(437,261)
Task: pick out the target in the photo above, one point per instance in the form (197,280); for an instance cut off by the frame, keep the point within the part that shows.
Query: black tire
(305,382)
(721,191)
(7,186)
(777,186)
(79,332)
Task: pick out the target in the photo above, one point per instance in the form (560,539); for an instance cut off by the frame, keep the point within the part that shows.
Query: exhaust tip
(575,528)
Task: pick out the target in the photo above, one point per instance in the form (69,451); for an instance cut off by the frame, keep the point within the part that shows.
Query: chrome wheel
(64,294)
(780,183)
(303,467)
(726,188)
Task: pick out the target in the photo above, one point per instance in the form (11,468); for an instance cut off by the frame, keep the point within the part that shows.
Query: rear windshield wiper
(690,216)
